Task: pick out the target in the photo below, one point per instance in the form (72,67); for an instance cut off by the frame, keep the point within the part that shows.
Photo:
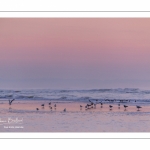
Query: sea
(126,94)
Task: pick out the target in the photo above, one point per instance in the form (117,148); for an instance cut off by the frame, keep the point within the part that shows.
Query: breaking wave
(77,95)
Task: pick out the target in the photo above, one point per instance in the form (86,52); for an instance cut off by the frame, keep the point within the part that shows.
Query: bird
(119,105)
(37,109)
(138,107)
(65,110)
(125,106)
(50,103)
(89,105)
(42,105)
(10,101)
(110,106)
(135,100)
(80,106)
(55,105)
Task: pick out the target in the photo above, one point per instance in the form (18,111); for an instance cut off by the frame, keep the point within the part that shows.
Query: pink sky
(74,53)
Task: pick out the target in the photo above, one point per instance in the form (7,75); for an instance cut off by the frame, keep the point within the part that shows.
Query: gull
(55,105)
(138,107)
(10,101)
(42,105)
(50,103)
(110,106)
(119,105)
(89,105)
(37,109)
(80,106)
(65,110)
(125,106)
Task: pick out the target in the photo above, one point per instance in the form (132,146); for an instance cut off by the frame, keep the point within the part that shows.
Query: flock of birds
(50,106)
(92,104)
(10,102)
(88,106)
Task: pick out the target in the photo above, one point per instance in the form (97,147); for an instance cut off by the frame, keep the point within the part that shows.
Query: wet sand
(75,119)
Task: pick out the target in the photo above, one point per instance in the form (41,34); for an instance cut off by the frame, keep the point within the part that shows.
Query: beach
(23,117)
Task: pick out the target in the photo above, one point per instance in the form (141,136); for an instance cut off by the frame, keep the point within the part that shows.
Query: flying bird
(10,101)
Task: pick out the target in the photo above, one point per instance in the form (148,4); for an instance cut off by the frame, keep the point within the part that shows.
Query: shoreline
(71,106)
(74,119)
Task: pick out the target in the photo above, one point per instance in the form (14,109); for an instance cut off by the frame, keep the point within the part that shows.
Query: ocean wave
(77,95)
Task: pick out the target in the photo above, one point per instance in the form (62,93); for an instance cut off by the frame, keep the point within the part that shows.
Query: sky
(74,53)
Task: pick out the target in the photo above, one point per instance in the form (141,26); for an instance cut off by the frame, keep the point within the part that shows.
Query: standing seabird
(88,105)
(125,106)
(110,106)
(101,104)
(42,105)
(65,110)
(37,108)
(138,107)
